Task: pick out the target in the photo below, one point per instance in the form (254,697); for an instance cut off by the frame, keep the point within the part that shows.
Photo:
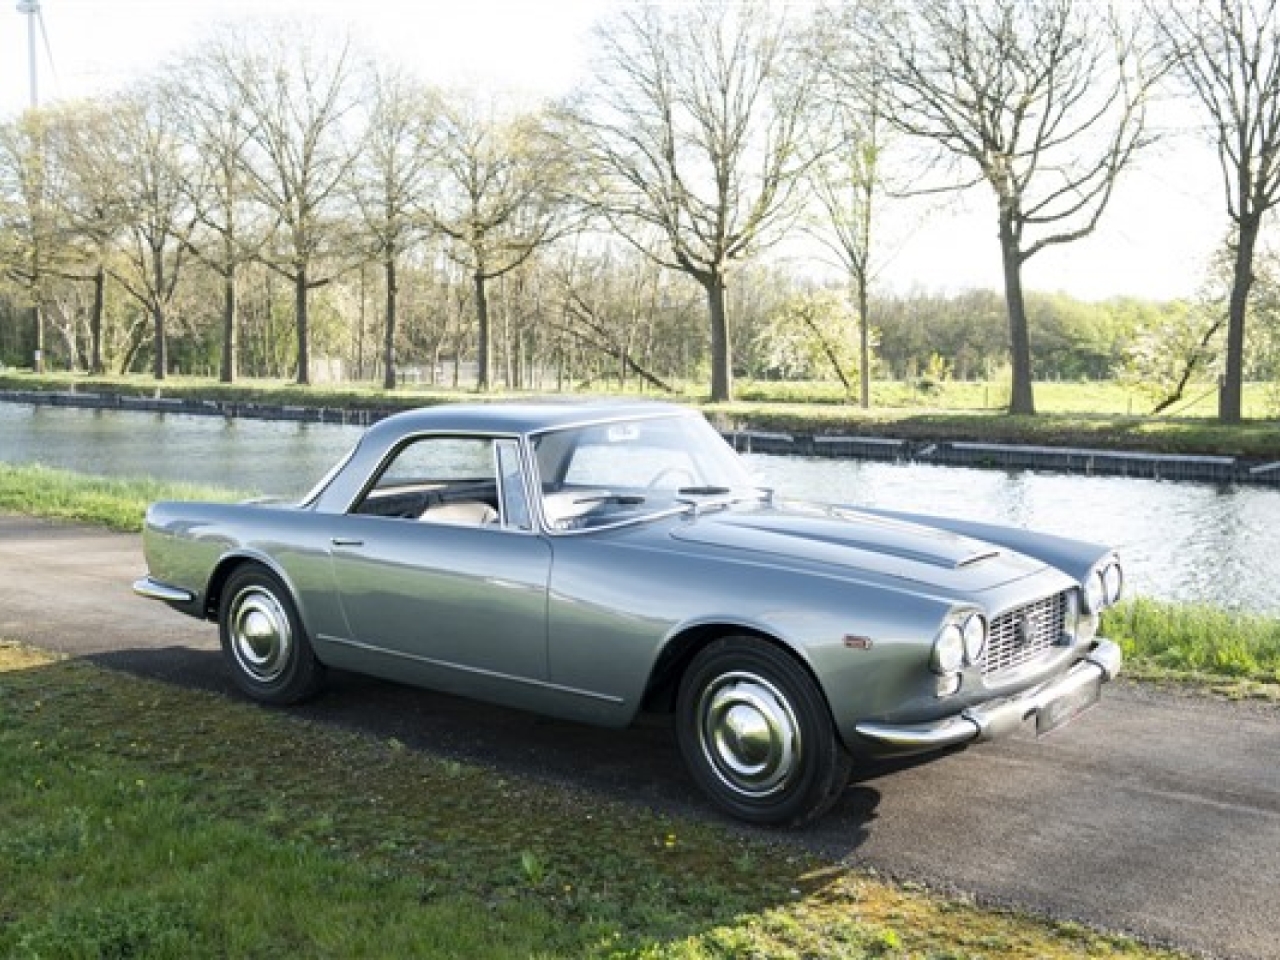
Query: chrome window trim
(394,450)
(535,477)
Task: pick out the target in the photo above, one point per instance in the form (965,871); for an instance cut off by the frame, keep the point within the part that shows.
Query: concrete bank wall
(1201,469)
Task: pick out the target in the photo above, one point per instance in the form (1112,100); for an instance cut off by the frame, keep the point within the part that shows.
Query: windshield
(609,473)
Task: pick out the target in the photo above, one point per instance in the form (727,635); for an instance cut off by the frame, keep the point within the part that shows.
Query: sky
(1165,220)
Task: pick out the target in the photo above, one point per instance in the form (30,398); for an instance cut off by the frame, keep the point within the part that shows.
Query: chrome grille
(1021,634)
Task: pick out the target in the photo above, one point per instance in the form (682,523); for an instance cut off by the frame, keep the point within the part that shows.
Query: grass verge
(1236,653)
(146,821)
(118,504)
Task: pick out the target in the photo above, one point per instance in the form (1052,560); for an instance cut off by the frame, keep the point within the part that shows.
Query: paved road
(1156,815)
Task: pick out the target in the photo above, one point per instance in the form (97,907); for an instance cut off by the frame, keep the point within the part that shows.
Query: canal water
(1179,541)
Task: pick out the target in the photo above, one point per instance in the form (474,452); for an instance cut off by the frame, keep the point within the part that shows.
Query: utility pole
(31,9)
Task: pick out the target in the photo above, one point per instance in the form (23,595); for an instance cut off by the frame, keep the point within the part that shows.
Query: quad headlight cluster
(1103,587)
(963,639)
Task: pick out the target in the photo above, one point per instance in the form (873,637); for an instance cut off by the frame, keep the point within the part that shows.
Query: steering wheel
(666,472)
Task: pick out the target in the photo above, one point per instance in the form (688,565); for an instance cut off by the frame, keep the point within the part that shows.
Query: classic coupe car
(594,560)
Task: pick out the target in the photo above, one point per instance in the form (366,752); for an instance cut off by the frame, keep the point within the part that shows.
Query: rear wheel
(756,733)
(263,641)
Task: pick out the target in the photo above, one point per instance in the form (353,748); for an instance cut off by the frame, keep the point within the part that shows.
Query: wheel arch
(680,649)
(229,564)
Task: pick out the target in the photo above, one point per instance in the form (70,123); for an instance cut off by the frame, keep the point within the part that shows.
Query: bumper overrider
(1051,705)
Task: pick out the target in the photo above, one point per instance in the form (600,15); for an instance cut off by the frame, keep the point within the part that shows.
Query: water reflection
(1179,541)
(256,456)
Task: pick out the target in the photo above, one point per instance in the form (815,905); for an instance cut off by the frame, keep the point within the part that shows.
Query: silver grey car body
(594,560)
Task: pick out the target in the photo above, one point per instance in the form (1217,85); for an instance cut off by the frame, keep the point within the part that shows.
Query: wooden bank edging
(1072,460)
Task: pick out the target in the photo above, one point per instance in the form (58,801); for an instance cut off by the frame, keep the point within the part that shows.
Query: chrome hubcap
(261,639)
(748,733)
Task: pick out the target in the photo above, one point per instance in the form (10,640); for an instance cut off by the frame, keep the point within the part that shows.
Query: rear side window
(446,479)
(440,460)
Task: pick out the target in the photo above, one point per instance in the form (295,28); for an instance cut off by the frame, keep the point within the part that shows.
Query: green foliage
(811,336)
(1188,638)
(1178,349)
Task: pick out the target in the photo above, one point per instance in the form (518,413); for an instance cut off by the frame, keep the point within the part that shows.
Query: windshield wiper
(703,491)
(624,499)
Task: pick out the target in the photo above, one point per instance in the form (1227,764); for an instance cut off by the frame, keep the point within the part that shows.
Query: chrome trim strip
(990,721)
(462,668)
(393,451)
(155,590)
(617,524)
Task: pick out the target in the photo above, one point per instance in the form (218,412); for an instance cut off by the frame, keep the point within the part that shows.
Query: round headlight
(1112,583)
(1095,593)
(975,637)
(948,649)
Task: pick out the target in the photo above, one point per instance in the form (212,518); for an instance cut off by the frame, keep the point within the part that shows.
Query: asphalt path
(1156,814)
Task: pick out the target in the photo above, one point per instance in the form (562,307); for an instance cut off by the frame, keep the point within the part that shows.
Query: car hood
(853,542)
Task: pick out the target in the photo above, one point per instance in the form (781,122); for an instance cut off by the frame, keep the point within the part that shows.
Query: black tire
(756,733)
(263,640)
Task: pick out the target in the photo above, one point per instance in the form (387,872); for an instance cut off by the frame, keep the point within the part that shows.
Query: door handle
(347,542)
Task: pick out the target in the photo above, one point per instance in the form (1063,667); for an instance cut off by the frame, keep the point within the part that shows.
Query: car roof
(519,417)
(503,418)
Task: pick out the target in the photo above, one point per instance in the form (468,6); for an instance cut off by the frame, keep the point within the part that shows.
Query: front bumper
(1000,718)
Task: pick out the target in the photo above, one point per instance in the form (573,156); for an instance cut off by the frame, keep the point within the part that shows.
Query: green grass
(1096,414)
(142,820)
(118,504)
(1164,640)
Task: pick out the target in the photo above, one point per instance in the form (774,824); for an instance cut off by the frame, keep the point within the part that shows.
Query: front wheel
(756,733)
(263,641)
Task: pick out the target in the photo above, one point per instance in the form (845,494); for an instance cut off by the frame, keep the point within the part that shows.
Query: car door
(438,562)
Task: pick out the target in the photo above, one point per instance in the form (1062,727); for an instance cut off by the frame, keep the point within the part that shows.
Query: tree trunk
(1230,405)
(304,336)
(161,364)
(389,338)
(37,323)
(483,334)
(1021,397)
(864,345)
(160,359)
(134,343)
(95,319)
(721,359)
(230,341)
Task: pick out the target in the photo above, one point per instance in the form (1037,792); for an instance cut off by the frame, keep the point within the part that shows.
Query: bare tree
(159,218)
(139,152)
(1042,100)
(391,183)
(90,200)
(297,95)
(1228,54)
(848,182)
(216,128)
(498,184)
(692,133)
(26,223)
(612,305)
